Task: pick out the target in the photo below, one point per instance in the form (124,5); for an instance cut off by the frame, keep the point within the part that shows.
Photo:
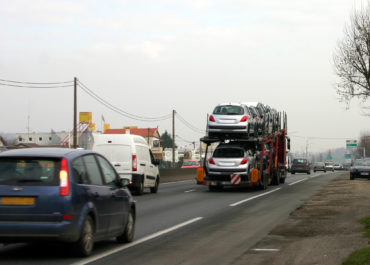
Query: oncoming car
(68,195)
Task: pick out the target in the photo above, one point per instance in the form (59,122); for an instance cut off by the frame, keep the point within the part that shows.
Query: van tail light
(307,164)
(211,118)
(134,163)
(263,117)
(244,161)
(255,118)
(212,161)
(245,118)
(63,178)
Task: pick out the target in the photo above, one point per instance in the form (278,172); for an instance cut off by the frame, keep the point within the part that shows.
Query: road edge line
(137,242)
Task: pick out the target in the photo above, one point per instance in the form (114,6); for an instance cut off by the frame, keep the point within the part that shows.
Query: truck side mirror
(288,144)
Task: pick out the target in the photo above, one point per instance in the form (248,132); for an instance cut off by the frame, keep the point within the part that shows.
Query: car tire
(314,171)
(309,172)
(155,188)
(129,232)
(140,188)
(292,172)
(85,244)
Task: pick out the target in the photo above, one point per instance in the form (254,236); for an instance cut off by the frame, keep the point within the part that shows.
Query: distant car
(360,169)
(329,166)
(231,120)
(68,195)
(228,159)
(300,165)
(190,164)
(319,166)
(338,167)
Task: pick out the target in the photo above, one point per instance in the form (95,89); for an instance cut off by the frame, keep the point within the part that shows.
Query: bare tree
(352,57)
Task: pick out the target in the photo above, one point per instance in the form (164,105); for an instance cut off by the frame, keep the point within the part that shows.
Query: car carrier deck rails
(270,166)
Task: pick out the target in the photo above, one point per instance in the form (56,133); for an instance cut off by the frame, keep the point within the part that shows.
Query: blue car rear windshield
(29,171)
(228,110)
(228,153)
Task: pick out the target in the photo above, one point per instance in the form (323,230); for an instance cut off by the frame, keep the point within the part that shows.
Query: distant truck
(348,161)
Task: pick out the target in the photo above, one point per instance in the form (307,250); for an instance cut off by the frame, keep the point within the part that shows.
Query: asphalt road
(184,223)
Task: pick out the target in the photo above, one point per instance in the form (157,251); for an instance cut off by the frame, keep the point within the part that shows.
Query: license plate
(17,201)
(299,167)
(364,173)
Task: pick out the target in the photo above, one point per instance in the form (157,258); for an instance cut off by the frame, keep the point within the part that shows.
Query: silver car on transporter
(231,120)
(231,164)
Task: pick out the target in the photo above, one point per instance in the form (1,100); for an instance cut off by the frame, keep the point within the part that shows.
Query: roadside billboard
(86,117)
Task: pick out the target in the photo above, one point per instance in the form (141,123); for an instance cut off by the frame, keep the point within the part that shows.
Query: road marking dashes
(296,182)
(254,197)
(189,191)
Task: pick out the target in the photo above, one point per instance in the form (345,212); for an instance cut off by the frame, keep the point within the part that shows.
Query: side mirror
(156,162)
(124,182)
(288,146)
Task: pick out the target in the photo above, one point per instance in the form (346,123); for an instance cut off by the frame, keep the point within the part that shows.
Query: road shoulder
(324,230)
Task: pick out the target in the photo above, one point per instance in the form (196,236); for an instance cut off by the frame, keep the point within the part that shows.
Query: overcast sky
(151,57)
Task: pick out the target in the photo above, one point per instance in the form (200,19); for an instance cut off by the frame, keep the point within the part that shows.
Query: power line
(32,83)
(118,110)
(186,141)
(189,125)
(2,84)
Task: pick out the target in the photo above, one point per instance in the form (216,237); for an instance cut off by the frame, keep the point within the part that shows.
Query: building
(151,135)
(42,139)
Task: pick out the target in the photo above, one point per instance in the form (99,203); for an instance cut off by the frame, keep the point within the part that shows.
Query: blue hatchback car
(68,195)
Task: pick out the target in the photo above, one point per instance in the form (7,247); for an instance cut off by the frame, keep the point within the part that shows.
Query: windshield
(362,162)
(299,161)
(228,110)
(29,171)
(228,153)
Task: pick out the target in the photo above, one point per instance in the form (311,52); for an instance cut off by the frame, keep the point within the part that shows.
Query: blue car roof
(44,152)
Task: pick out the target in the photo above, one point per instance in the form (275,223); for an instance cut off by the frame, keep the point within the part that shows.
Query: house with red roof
(151,135)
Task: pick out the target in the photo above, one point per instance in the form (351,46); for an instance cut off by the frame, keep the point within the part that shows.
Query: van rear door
(119,155)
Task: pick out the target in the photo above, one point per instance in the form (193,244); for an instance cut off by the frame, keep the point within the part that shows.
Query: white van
(132,158)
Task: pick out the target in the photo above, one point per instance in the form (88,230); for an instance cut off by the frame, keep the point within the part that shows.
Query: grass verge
(361,256)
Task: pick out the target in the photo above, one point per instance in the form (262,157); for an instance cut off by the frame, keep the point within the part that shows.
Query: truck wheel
(155,188)
(263,185)
(292,172)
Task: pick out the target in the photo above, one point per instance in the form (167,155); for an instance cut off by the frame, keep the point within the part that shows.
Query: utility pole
(75,114)
(173,138)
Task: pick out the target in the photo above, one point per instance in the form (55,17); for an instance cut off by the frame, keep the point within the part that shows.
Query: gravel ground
(324,230)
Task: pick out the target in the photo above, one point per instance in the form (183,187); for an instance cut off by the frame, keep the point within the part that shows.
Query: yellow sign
(92,126)
(130,127)
(106,126)
(86,117)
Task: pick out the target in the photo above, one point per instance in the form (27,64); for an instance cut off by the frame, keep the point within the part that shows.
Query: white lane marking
(296,182)
(174,182)
(254,197)
(189,191)
(266,249)
(139,241)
